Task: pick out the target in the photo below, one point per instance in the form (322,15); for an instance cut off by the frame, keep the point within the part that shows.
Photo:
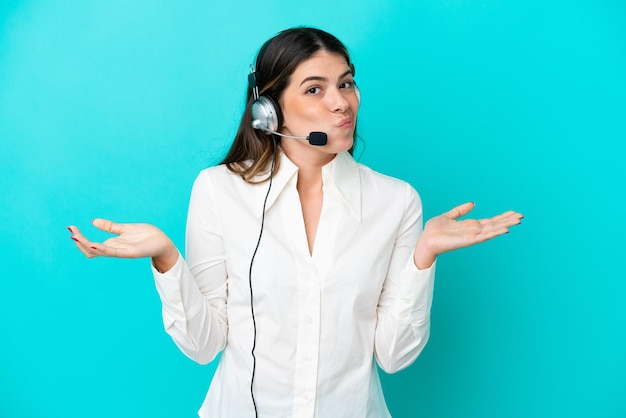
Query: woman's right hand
(132,241)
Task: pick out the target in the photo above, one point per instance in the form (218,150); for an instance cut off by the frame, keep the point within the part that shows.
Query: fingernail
(74,238)
(93,248)
(70,229)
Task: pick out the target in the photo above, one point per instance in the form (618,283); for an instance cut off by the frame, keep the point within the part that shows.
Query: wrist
(424,261)
(165,261)
(423,256)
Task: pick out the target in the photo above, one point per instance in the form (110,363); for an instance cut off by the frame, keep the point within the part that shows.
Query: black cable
(256,414)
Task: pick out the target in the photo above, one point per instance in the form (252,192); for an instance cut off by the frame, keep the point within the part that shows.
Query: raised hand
(132,241)
(445,232)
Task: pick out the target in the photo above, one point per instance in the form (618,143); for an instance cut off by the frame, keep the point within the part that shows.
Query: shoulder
(389,200)
(216,183)
(218,175)
(385,185)
(215,171)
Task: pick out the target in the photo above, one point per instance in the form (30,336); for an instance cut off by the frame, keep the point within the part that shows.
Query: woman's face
(321,96)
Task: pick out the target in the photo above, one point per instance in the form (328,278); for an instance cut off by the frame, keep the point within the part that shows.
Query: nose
(337,101)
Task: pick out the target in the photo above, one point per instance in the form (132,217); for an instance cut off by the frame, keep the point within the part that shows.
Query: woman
(303,267)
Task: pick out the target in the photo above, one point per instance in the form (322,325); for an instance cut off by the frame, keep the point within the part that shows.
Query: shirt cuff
(172,273)
(416,292)
(174,288)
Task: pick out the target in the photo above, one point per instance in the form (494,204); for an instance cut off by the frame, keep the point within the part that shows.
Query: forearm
(194,308)
(201,337)
(403,325)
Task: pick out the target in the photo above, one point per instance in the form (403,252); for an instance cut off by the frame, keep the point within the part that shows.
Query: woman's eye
(313,90)
(346,85)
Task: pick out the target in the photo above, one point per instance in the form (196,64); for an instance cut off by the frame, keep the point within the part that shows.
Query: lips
(345,123)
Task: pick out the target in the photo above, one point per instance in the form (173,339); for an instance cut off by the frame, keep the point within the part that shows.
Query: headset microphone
(314,138)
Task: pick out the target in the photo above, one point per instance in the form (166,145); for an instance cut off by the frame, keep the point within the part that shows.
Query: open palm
(446,232)
(132,240)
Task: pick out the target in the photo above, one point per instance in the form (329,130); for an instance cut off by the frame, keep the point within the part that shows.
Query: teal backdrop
(110,109)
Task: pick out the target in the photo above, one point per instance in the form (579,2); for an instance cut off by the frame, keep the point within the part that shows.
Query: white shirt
(321,318)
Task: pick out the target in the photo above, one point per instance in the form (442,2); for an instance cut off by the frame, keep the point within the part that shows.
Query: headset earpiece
(265,111)
(266,114)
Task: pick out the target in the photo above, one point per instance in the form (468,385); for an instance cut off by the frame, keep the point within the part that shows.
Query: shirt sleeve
(193,292)
(403,323)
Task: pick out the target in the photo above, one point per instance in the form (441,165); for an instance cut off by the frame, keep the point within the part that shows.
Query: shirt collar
(341,174)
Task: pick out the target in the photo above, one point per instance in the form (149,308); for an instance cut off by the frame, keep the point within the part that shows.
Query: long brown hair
(252,150)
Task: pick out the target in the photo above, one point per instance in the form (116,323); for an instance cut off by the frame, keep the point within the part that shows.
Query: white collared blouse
(321,319)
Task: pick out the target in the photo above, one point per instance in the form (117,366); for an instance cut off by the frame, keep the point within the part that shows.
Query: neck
(309,162)
(309,180)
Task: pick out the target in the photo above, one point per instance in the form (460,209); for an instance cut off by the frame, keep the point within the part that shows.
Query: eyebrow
(319,78)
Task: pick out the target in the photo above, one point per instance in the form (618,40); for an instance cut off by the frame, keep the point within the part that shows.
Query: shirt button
(309,320)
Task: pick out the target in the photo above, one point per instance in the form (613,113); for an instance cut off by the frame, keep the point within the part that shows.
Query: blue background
(110,109)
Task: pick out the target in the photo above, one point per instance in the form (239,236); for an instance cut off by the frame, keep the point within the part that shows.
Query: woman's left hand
(445,232)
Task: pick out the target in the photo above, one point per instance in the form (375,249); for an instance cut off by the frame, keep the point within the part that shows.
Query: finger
(73,229)
(77,236)
(87,252)
(103,250)
(85,247)
(113,250)
(503,215)
(509,215)
(460,210)
(512,219)
(499,225)
(108,226)
(82,243)
(509,218)
(95,249)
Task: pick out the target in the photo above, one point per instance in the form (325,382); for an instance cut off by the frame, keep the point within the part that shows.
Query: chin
(337,145)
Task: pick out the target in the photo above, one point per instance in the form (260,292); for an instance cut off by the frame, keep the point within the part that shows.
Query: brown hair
(252,150)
